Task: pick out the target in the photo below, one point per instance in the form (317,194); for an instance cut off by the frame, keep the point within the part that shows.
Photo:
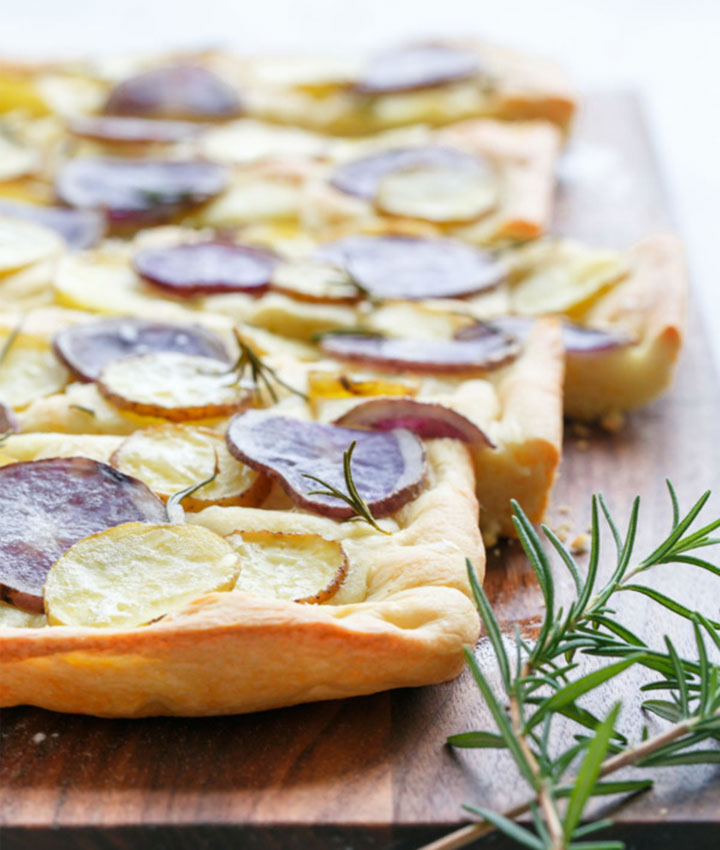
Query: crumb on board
(582,445)
(564,509)
(38,737)
(613,421)
(580,429)
(580,544)
(562,531)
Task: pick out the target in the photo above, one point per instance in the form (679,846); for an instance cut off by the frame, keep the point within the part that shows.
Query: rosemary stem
(545,799)
(467,834)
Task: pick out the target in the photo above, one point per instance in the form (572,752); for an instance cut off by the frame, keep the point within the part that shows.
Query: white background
(669,50)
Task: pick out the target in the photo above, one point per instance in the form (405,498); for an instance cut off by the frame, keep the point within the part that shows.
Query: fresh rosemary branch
(352,497)
(260,372)
(543,681)
(175,500)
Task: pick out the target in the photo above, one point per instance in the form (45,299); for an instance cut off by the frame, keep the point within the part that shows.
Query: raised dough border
(233,652)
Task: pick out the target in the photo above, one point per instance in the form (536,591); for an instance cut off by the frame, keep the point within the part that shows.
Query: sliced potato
(19,619)
(169,458)
(439,194)
(16,160)
(20,92)
(29,371)
(251,199)
(104,282)
(245,141)
(561,276)
(314,281)
(298,567)
(174,386)
(399,319)
(134,573)
(23,243)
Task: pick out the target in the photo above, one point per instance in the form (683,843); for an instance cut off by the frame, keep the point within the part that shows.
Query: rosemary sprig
(260,372)
(543,681)
(87,410)
(173,506)
(352,497)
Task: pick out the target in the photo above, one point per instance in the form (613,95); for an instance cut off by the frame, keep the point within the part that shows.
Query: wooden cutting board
(372,771)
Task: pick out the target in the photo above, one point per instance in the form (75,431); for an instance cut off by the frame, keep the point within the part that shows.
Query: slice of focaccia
(401,618)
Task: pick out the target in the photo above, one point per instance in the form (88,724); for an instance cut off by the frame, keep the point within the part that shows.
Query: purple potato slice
(88,347)
(175,91)
(207,268)
(388,468)
(79,228)
(362,177)
(118,129)
(414,267)
(426,419)
(424,356)
(47,505)
(139,190)
(417,67)
(577,339)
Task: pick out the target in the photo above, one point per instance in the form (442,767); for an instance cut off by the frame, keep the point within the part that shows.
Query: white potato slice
(561,276)
(439,194)
(306,280)
(416,320)
(29,370)
(22,447)
(23,243)
(174,386)
(19,619)
(251,199)
(15,160)
(132,574)
(104,282)
(298,567)
(244,141)
(169,458)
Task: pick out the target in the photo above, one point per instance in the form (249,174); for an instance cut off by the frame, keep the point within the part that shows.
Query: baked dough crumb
(580,544)
(613,421)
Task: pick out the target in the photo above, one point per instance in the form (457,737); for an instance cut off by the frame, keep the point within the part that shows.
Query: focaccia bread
(426,83)
(405,624)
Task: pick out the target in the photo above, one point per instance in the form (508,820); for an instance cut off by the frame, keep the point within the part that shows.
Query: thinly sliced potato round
(561,277)
(299,567)
(19,619)
(24,242)
(439,194)
(174,386)
(103,282)
(307,280)
(169,458)
(29,370)
(135,573)
(15,160)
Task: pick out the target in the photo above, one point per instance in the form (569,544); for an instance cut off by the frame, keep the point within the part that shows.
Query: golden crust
(525,462)
(233,652)
(650,305)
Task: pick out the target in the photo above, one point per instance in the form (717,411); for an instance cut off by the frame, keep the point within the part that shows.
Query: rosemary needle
(352,498)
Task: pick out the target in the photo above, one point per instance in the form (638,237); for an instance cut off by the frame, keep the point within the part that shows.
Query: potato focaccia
(426,83)
(171,474)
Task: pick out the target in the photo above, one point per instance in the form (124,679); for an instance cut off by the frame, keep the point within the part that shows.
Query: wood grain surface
(372,771)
